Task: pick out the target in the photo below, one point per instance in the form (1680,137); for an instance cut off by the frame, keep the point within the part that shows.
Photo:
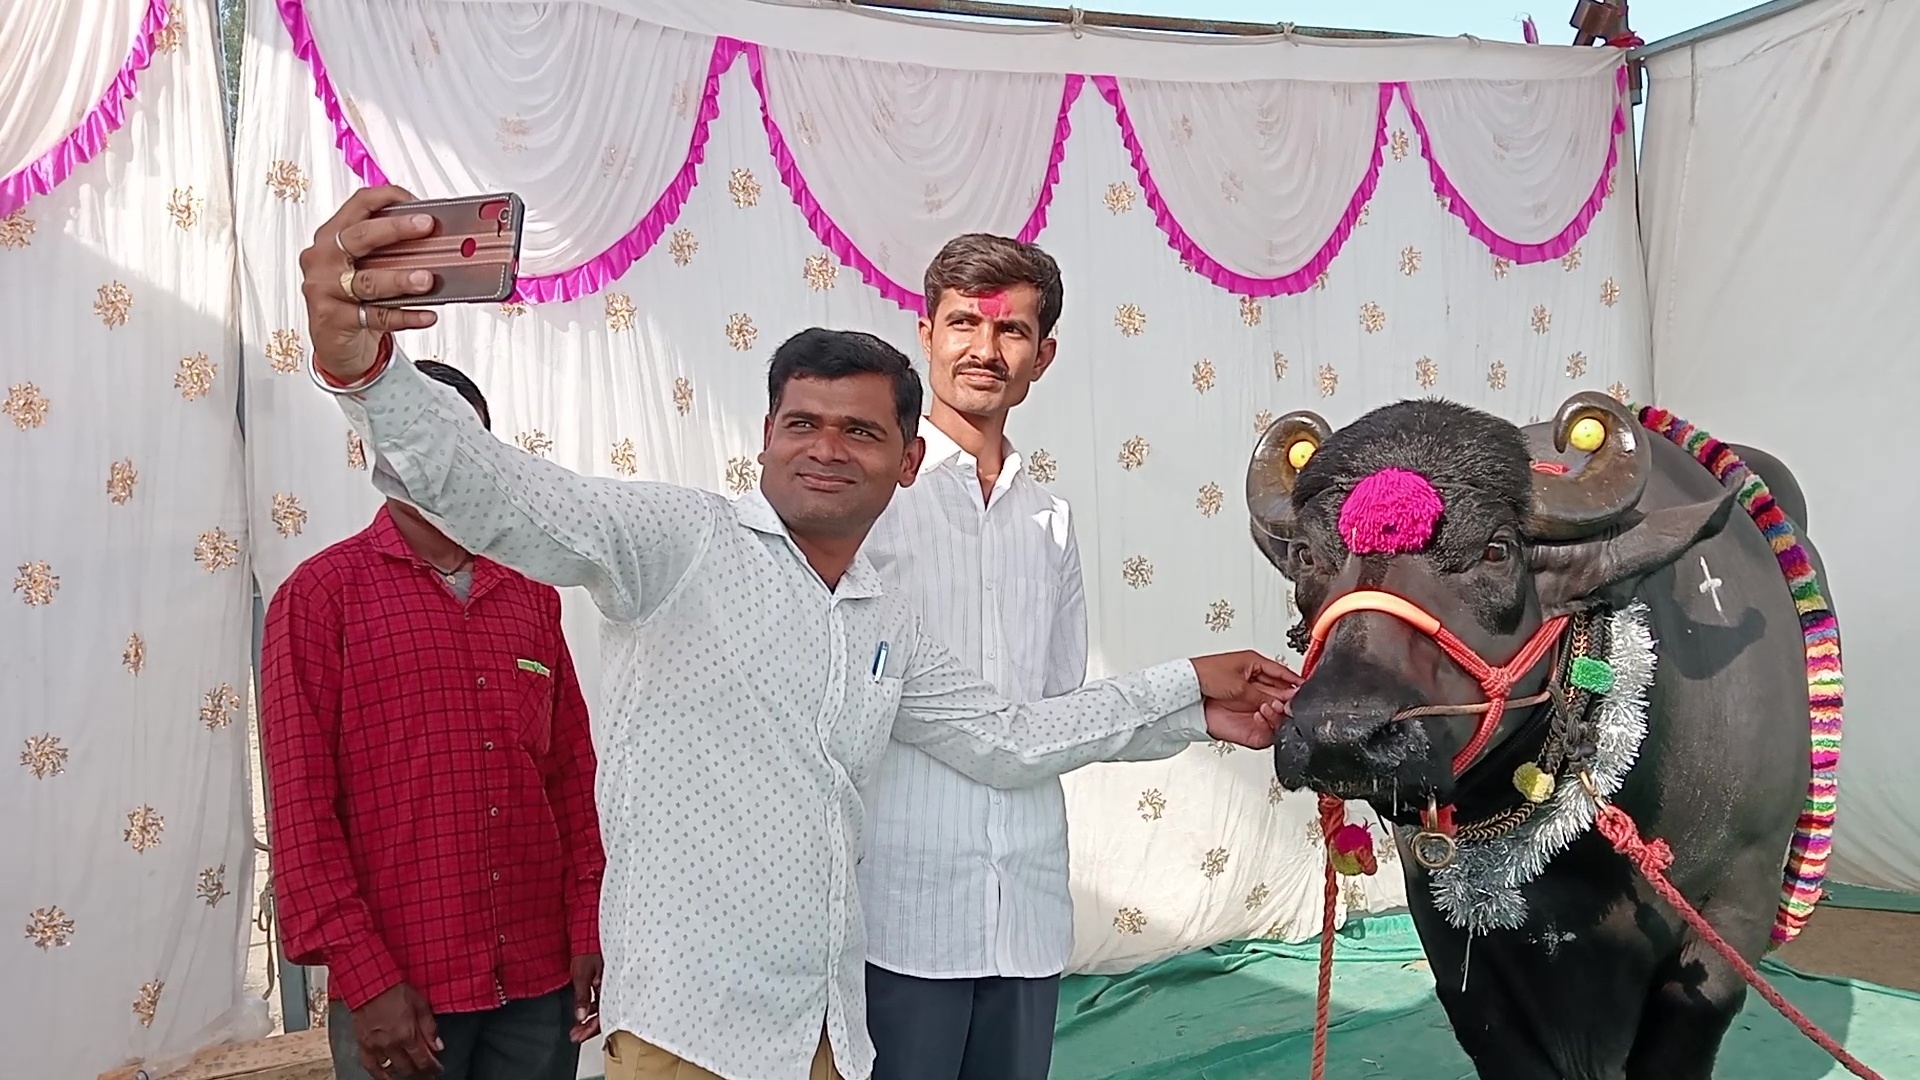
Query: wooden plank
(301,1056)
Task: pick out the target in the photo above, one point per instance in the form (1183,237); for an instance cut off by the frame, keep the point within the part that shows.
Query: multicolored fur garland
(1806,869)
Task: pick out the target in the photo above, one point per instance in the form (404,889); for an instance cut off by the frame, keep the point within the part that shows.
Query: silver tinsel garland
(1480,890)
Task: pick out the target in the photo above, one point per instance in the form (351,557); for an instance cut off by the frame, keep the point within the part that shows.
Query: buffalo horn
(1271,473)
(1592,495)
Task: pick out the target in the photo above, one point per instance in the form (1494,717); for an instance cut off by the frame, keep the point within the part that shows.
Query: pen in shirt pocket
(879,661)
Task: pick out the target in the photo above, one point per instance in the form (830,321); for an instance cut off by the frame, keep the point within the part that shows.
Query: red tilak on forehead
(993,304)
(1391,512)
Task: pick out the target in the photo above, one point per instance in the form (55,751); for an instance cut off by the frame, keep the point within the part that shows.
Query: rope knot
(1333,814)
(1618,828)
(1498,683)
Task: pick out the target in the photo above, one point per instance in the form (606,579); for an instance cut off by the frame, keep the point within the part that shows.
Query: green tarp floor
(1870,899)
(1244,1011)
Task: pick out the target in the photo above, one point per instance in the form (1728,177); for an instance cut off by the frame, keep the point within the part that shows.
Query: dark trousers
(521,1040)
(960,1029)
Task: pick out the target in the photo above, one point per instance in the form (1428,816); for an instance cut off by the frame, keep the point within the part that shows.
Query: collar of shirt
(943,451)
(861,580)
(385,537)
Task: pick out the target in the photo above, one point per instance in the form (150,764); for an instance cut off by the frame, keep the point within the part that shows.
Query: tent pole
(1735,21)
(1111,20)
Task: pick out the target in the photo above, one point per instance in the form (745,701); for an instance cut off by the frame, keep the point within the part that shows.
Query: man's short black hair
(836,354)
(454,377)
(975,264)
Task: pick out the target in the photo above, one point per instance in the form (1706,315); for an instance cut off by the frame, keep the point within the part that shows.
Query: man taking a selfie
(755,670)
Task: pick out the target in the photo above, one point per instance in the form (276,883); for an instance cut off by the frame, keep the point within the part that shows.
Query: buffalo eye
(1302,555)
(1499,550)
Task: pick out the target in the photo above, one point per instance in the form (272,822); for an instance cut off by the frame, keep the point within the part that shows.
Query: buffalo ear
(1275,548)
(1570,576)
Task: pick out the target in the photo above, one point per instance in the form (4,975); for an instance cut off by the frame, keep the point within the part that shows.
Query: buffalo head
(1452,509)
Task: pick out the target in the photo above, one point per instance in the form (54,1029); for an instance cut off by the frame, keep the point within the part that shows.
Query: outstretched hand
(1246,696)
(1255,729)
(344,329)
(1245,678)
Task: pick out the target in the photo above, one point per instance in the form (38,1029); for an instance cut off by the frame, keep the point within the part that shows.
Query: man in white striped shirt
(969,919)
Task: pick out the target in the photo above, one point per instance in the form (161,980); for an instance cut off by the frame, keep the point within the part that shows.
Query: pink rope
(1652,858)
(1333,812)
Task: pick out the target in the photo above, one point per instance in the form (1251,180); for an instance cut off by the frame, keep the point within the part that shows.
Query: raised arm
(956,716)
(628,543)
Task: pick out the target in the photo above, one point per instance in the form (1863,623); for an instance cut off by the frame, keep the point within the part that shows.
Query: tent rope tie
(1651,858)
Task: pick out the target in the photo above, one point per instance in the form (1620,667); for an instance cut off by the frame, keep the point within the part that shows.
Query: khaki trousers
(628,1058)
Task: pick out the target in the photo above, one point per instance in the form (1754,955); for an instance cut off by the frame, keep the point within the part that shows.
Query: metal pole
(1738,20)
(292,977)
(1111,20)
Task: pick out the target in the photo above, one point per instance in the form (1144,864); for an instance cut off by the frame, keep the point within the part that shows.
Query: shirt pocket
(532,704)
(872,705)
(1025,626)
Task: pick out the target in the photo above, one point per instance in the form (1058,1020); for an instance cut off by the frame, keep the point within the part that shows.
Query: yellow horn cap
(1587,435)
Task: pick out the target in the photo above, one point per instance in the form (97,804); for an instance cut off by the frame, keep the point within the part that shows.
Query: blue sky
(1497,19)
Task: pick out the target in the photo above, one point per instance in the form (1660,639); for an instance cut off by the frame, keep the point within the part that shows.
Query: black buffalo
(1592,977)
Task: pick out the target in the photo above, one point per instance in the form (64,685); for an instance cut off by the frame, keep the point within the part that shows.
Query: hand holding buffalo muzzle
(1245,695)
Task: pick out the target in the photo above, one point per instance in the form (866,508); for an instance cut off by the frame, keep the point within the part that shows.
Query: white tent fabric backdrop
(1780,211)
(126,608)
(663,279)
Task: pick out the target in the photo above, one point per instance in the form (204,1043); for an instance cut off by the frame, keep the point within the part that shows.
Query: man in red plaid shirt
(430,771)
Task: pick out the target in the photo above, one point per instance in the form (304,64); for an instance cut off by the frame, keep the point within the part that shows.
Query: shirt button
(989,586)
(488,744)
(503,939)
(990,655)
(496,875)
(481,682)
(494,811)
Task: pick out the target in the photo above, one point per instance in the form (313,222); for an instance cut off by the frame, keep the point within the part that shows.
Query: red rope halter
(1497,682)
(1650,858)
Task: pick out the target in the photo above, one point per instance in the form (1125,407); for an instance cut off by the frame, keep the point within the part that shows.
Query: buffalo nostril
(1389,743)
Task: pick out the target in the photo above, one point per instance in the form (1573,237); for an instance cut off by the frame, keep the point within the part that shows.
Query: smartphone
(473,254)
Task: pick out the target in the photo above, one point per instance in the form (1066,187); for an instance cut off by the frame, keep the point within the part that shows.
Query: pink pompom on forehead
(1392,512)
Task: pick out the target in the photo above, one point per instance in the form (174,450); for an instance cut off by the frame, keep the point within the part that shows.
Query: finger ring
(387,1064)
(363,318)
(346,284)
(342,245)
